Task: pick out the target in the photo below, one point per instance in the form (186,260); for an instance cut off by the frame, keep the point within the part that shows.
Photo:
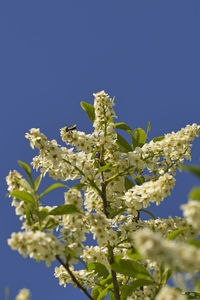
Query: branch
(110,250)
(74,279)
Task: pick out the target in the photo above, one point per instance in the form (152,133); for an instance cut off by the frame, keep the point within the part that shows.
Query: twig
(75,280)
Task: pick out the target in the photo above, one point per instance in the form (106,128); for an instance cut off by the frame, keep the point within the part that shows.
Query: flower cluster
(168,293)
(191,212)
(38,245)
(167,154)
(114,184)
(153,191)
(74,226)
(176,256)
(101,229)
(84,277)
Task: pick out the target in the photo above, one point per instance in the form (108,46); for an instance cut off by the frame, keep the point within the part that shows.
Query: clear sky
(54,54)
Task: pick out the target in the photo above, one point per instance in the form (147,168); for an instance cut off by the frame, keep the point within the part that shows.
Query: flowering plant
(133,258)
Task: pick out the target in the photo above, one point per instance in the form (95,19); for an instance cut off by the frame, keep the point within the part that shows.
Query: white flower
(191,212)
(84,277)
(23,294)
(168,293)
(151,191)
(101,229)
(38,245)
(177,256)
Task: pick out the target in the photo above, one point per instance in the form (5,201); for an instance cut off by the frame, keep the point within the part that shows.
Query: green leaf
(138,137)
(128,183)
(27,169)
(107,281)
(129,268)
(43,213)
(195,194)
(123,144)
(128,289)
(197,286)
(37,182)
(104,284)
(25,166)
(177,232)
(193,169)
(148,212)
(195,243)
(28,214)
(95,292)
(134,254)
(53,187)
(148,127)
(167,274)
(139,179)
(107,167)
(26,185)
(99,268)
(89,109)
(123,126)
(158,139)
(64,209)
(114,212)
(112,296)
(103,294)
(23,196)
(78,186)
(192,295)
(51,224)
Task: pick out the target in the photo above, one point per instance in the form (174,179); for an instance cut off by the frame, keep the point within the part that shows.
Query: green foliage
(23,196)
(138,137)
(193,169)
(195,194)
(195,243)
(128,289)
(102,288)
(123,144)
(134,254)
(129,268)
(27,169)
(177,232)
(105,168)
(148,127)
(148,212)
(123,126)
(139,179)
(37,182)
(192,295)
(43,213)
(64,209)
(128,183)
(89,109)
(53,187)
(99,269)
(78,186)
(158,139)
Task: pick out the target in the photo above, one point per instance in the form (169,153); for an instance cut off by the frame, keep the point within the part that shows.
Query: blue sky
(54,54)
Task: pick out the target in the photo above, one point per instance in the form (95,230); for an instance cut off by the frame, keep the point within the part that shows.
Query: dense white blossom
(101,229)
(38,245)
(115,186)
(84,277)
(191,212)
(175,255)
(169,293)
(153,191)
